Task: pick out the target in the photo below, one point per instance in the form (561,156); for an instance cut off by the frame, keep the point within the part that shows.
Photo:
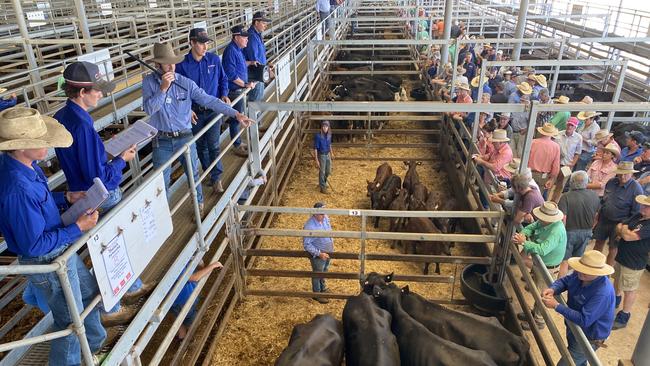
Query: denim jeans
(326,24)
(576,242)
(575,350)
(66,350)
(207,146)
(319,265)
(233,124)
(114,197)
(257,93)
(325,169)
(191,315)
(583,160)
(163,149)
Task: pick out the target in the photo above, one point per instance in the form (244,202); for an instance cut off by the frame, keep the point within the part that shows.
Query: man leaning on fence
(31,224)
(319,249)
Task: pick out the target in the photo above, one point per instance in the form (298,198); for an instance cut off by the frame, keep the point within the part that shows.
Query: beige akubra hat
(548,212)
(562,99)
(25,128)
(625,167)
(541,80)
(525,88)
(513,165)
(603,134)
(587,100)
(613,149)
(585,115)
(592,263)
(463,86)
(548,130)
(643,199)
(500,135)
(164,54)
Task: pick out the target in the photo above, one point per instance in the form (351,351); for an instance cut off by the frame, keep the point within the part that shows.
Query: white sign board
(34,16)
(283,69)
(125,245)
(107,8)
(248,12)
(102,59)
(202,24)
(276,6)
(153,3)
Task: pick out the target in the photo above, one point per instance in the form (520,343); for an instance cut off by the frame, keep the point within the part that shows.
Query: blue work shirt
(234,63)
(185,293)
(323,6)
(86,158)
(619,201)
(626,155)
(510,88)
(29,212)
(590,307)
(208,73)
(171,111)
(7,103)
(323,143)
(514,97)
(313,245)
(255,51)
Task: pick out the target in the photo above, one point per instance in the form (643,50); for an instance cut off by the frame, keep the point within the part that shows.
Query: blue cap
(82,74)
(260,15)
(238,30)
(319,205)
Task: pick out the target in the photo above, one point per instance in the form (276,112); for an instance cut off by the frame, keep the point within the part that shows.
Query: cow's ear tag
(389,277)
(406,289)
(376,291)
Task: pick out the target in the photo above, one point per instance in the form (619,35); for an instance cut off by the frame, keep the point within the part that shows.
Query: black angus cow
(316,343)
(381,200)
(426,226)
(417,345)
(418,199)
(411,177)
(373,279)
(400,203)
(472,331)
(368,337)
(383,172)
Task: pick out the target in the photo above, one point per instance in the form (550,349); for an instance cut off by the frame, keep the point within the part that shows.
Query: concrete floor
(621,342)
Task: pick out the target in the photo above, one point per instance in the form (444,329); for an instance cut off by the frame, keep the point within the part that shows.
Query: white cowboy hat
(586,115)
(513,166)
(500,135)
(548,130)
(164,54)
(613,149)
(592,263)
(548,212)
(25,128)
(525,88)
(587,100)
(643,200)
(541,80)
(463,86)
(625,167)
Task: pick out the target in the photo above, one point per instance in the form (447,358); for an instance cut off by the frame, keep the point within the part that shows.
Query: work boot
(218,187)
(240,151)
(323,190)
(539,322)
(621,320)
(321,300)
(122,316)
(131,298)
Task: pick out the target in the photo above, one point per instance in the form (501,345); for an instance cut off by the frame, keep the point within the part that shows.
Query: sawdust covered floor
(260,327)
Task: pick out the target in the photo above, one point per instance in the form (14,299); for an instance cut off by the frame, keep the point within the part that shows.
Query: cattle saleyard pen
(248,309)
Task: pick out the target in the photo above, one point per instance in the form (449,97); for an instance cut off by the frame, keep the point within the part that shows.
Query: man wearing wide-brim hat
(590,302)
(603,169)
(31,224)
(618,204)
(631,259)
(547,238)
(588,132)
(570,143)
(497,159)
(603,138)
(544,158)
(167,98)
(642,165)
(462,97)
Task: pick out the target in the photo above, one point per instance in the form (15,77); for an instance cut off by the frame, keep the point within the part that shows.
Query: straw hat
(164,54)
(548,130)
(525,88)
(603,134)
(475,81)
(460,70)
(613,149)
(592,263)
(625,167)
(548,212)
(585,115)
(563,99)
(500,135)
(643,200)
(463,86)
(541,80)
(26,128)
(587,100)
(513,166)
(2,90)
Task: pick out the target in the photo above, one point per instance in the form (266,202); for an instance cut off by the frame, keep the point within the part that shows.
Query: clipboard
(95,196)
(136,134)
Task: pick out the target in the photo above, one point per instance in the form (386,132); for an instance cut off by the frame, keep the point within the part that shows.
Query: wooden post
(560,182)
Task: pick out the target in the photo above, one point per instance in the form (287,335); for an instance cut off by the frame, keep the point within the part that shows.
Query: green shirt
(548,241)
(559,120)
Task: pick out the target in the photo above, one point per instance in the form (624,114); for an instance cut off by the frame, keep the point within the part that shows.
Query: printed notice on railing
(117,263)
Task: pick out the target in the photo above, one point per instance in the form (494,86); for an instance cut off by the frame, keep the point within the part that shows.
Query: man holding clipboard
(86,158)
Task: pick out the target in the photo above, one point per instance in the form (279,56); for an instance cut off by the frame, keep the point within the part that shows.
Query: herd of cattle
(386,325)
(389,192)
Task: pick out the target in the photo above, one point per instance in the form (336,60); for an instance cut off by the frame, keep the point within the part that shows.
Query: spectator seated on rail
(544,159)
(590,302)
(579,205)
(604,138)
(559,119)
(7,101)
(634,145)
(31,224)
(423,34)
(528,195)
(503,122)
(547,238)
(631,259)
(642,165)
(603,170)
(618,204)
(497,158)
(588,131)
(184,296)
(570,144)
(462,97)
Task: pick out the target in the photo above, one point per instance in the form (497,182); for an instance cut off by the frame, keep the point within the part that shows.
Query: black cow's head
(375,279)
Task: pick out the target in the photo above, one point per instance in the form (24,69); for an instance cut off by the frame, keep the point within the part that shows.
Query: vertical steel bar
(362,250)
(556,74)
(83,24)
(446,34)
(195,202)
(617,94)
(519,30)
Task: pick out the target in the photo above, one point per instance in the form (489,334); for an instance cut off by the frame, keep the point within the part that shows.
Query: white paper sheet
(148,223)
(137,133)
(117,263)
(95,196)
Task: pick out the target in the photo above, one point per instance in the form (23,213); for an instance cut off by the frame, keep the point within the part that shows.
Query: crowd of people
(181,98)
